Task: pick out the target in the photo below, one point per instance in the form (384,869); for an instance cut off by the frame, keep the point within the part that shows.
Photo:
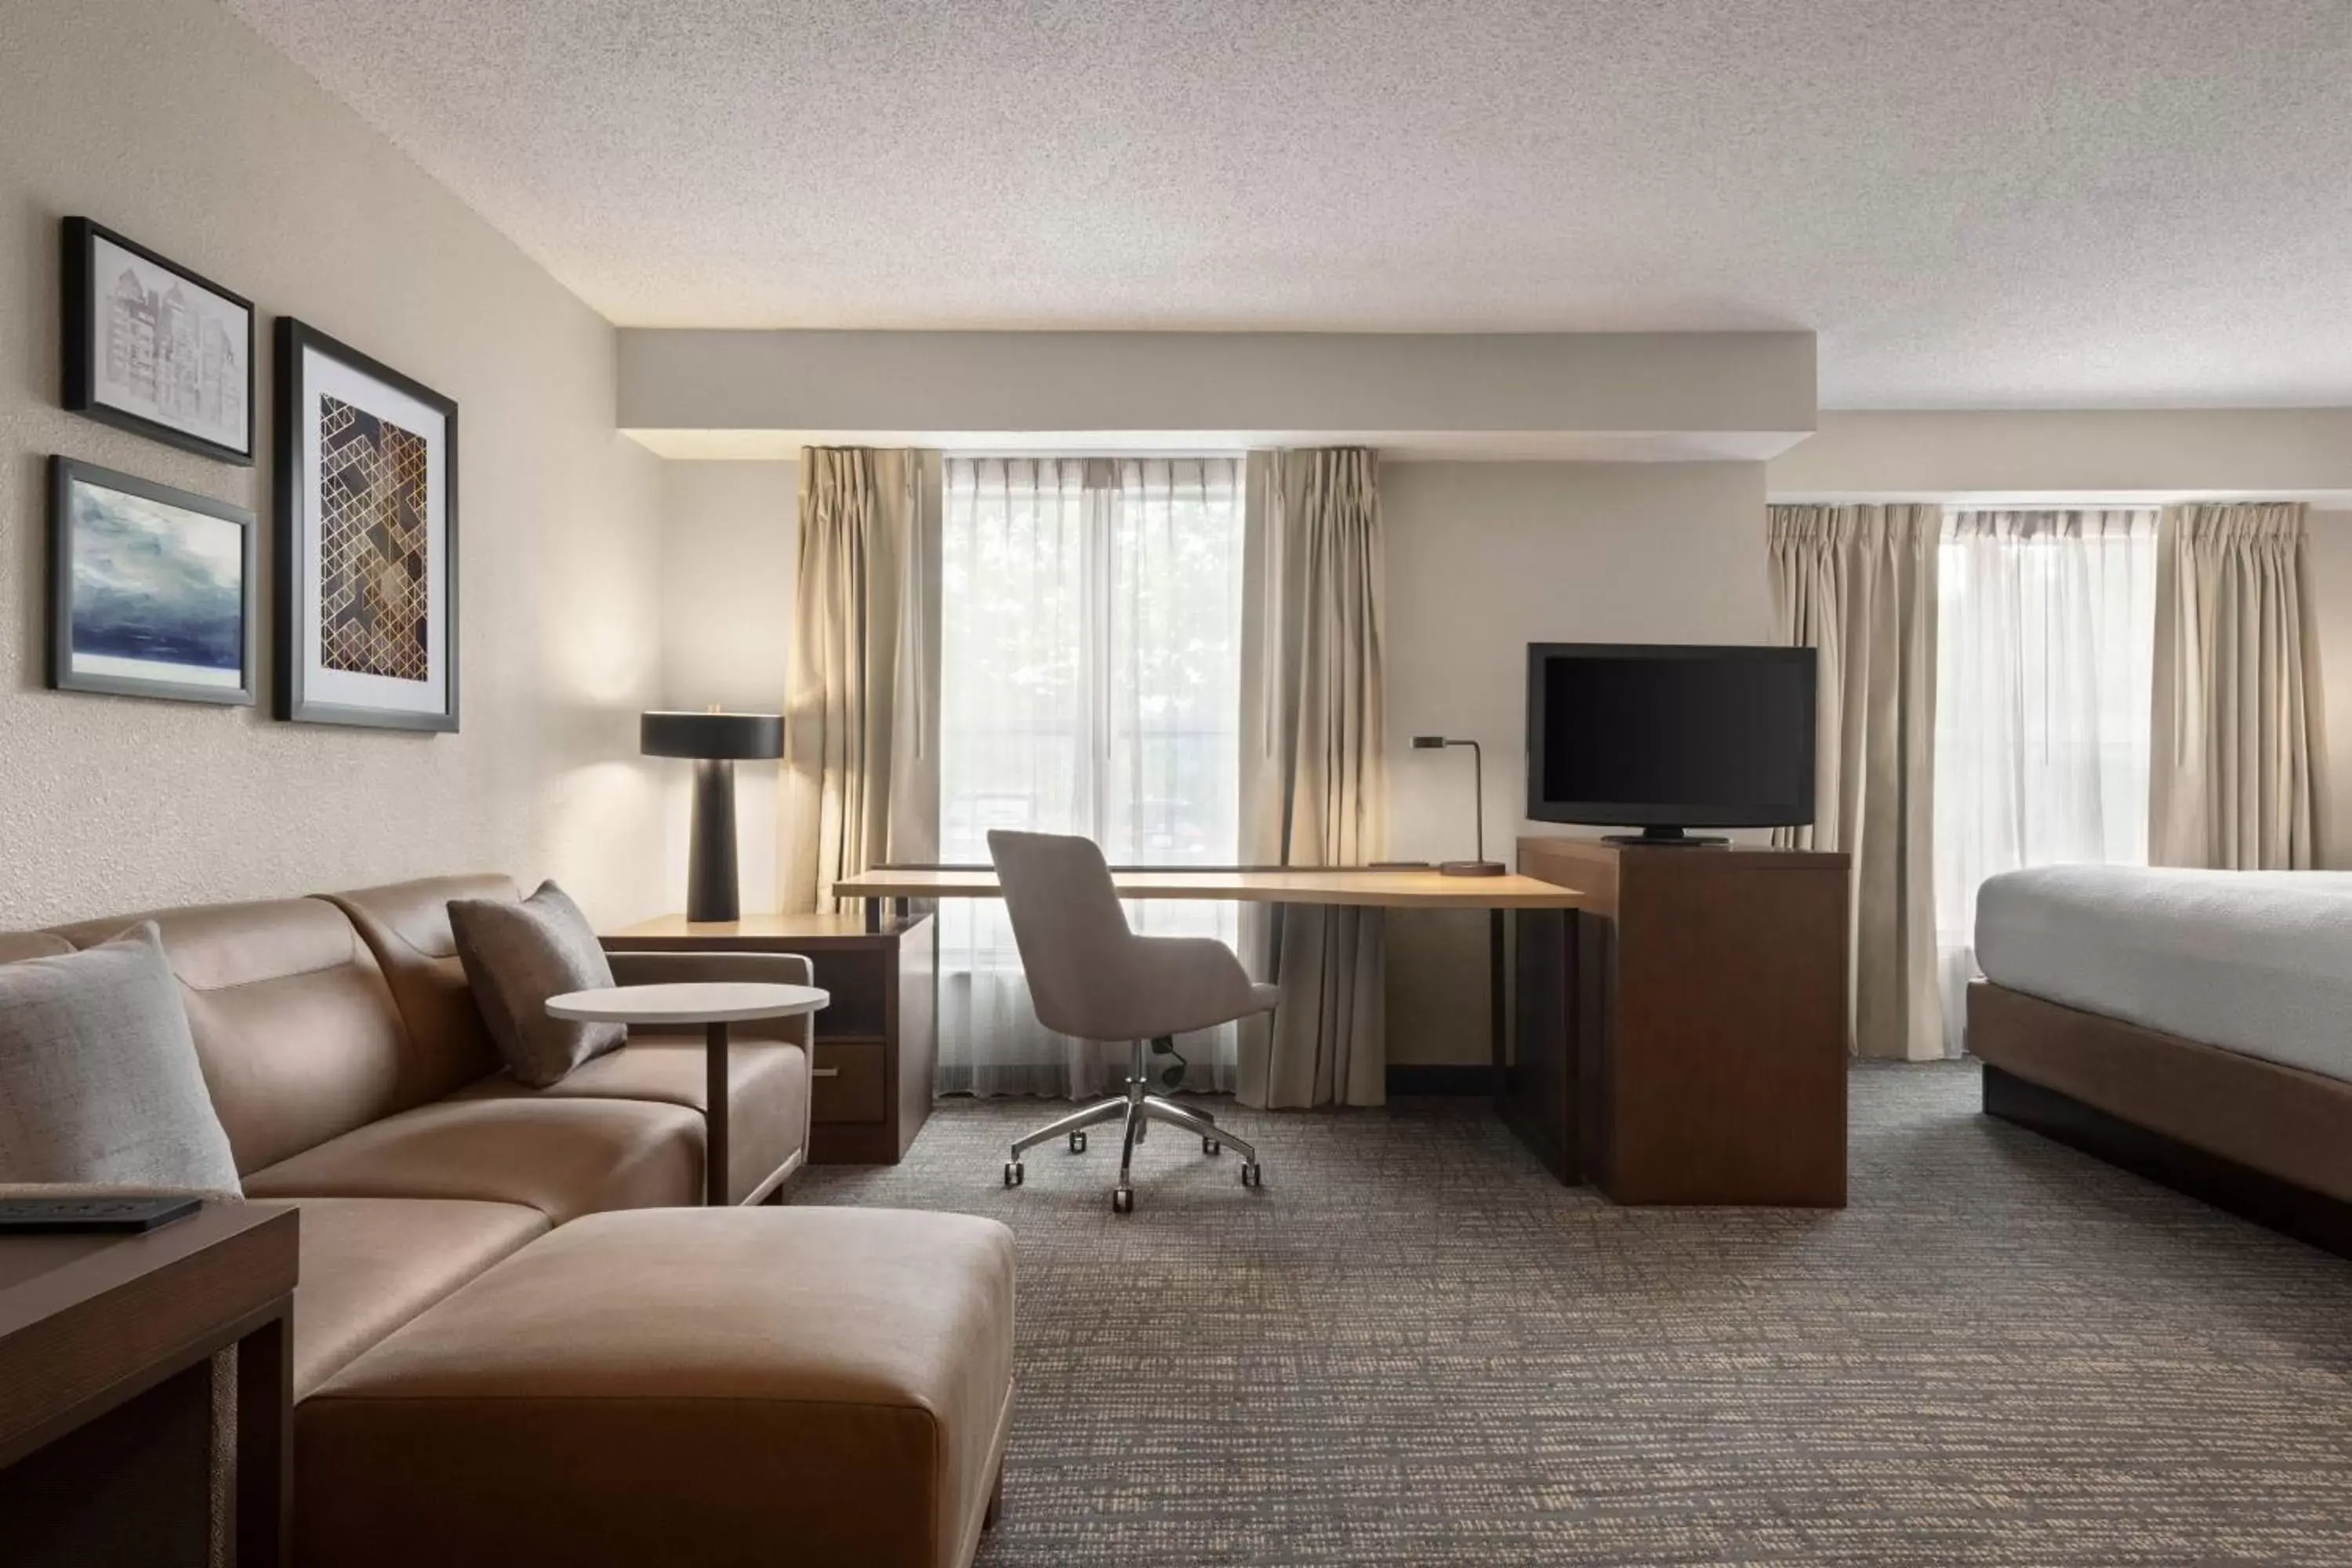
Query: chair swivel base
(1138,1109)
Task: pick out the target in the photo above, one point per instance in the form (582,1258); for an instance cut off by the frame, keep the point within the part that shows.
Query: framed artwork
(153,347)
(151,590)
(367,540)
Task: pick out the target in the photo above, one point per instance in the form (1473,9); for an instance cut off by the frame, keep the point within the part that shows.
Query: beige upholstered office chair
(1090,977)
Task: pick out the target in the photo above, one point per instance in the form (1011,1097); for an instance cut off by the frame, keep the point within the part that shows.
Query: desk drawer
(847,1081)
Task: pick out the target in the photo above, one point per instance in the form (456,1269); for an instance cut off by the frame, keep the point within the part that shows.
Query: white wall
(1483,558)
(2239,451)
(730,537)
(1636,395)
(171,122)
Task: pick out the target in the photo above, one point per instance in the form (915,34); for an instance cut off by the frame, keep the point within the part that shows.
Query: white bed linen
(2254,962)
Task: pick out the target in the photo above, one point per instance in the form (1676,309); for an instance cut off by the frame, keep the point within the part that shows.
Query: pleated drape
(861,770)
(2236,748)
(1314,784)
(1858,583)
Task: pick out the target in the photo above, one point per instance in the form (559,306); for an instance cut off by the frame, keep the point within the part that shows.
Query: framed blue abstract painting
(151,590)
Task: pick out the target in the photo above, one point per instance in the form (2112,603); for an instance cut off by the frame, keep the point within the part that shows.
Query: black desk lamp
(1481,867)
(716,741)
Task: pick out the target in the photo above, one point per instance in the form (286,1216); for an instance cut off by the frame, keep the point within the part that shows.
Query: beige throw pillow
(99,1078)
(517,955)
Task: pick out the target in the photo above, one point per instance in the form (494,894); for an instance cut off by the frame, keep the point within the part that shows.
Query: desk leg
(714,1143)
(1498,1026)
(265,1443)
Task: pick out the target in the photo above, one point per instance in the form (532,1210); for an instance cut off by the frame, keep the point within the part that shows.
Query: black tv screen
(1666,736)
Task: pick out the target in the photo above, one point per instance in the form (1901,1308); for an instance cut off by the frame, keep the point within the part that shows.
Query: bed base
(2281,1206)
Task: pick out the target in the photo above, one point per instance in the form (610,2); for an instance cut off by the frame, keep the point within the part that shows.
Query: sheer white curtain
(2045,651)
(1090,675)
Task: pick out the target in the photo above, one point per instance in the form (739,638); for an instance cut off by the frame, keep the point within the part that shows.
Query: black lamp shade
(719,737)
(716,741)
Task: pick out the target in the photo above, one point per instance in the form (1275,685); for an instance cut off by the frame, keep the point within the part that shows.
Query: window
(2046,653)
(1090,682)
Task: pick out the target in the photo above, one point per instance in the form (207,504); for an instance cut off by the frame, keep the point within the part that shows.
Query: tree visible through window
(1090,677)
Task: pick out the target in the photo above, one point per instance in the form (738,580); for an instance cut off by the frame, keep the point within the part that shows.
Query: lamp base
(1471,867)
(710,894)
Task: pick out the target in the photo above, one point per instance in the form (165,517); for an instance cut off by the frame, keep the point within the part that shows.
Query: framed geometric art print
(367,540)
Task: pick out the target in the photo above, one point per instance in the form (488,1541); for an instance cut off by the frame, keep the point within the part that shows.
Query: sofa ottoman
(713,1386)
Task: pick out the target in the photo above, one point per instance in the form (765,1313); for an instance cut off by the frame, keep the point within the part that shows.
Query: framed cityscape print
(151,590)
(366,469)
(155,348)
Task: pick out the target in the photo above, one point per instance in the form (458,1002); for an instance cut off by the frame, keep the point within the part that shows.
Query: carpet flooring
(1411,1346)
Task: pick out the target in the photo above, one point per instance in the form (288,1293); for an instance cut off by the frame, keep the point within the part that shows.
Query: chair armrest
(709,968)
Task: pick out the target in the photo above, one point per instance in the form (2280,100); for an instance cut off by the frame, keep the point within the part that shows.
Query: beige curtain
(861,741)
(2235,751)
(1314,786)
(1858,583)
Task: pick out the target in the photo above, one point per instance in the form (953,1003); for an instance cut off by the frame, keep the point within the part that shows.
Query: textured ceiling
(1990,203)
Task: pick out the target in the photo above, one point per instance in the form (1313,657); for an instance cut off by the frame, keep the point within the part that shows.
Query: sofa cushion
(99,1079)
(564,1157)
(406,926)
(517,956)
(19,944)
(724,1386)
(293,1023)
(369,1265)
(767,1100)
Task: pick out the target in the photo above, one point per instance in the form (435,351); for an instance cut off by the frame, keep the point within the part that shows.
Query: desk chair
(1092,977)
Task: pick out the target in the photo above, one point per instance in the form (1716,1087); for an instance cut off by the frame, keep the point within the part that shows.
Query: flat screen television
(1668,737)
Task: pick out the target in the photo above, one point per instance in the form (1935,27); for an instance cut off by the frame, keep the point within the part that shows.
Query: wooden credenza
(1682,1038)
(877,1044)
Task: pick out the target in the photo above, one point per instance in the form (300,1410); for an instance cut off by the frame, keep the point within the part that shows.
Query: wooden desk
(1348,886)
(875,1049)
(1353,887)
(106,1388)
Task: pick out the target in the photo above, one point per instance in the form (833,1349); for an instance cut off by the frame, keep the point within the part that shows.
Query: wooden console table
(1683,1037)
(877,1044)
(106,1420)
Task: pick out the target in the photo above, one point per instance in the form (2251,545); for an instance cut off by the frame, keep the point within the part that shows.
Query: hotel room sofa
(351,1070)
(354,1078)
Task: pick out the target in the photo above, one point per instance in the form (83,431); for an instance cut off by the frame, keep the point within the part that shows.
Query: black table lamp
(1481,867)
(716,741)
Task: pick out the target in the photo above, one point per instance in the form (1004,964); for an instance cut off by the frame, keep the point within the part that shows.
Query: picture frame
(155,348)
(366,478)
(154,592)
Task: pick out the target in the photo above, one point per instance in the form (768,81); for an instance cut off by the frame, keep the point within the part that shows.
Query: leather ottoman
(692,1386)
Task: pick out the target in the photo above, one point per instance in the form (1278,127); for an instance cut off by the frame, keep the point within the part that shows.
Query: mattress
(2254,962)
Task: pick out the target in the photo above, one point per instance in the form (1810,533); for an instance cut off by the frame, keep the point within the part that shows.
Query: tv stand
(1682,1031)
(1664,839)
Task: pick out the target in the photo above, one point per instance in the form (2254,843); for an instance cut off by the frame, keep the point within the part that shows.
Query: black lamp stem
(1478,798)
(710,893)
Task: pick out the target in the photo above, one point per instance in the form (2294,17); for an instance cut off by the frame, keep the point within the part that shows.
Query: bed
(2195,1027)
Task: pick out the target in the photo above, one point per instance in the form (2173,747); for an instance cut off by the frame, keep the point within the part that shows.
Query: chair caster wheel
(1122,1200)
(1211,1146)
(1250,1175)
(1077,1142)
(1014,1173)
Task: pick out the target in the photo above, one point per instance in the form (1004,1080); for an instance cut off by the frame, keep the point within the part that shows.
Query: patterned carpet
(1413,1347)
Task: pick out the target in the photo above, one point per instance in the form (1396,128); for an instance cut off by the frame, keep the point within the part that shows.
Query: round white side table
(713,1005)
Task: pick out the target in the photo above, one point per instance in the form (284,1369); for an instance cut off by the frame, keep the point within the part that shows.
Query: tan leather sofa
(517,1336)
(352,1072)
